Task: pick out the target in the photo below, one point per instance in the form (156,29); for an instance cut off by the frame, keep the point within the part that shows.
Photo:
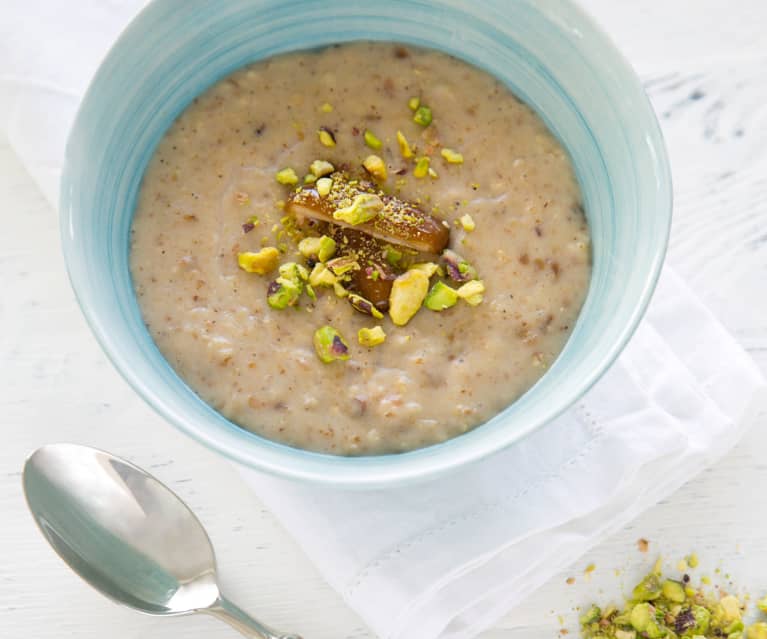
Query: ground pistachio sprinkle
(672,608)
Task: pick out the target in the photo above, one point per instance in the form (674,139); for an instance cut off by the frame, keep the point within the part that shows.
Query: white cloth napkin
(447,558)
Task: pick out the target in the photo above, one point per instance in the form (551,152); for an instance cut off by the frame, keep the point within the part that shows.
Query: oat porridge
(361,250)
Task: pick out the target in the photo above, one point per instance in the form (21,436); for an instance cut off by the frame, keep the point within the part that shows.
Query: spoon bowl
(128,535)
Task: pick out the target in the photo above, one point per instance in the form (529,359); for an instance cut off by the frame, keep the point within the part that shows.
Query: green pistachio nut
(647,589)
(286,176)
(371,140)
(591,615)
(363,208)
(340,266)
(364,306)
(321,275)
(407,295)
(422,115)
(282,293)
(330,346)
(371,336)
(641,616)
(321,168)
(440,297)
(673,591)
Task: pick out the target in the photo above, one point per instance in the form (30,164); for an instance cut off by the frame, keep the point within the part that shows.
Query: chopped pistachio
(310,178)
(376,167)
(430,268)
(321,275)
(757,631)
(625,634)
(261,263)
(329,344)
(421,169)
(324,185)
(451,156)
(326,136)
(762,604)
(433,175)
(441,297)
(282,293)
(702,619)
(364,306)
(591,615)
(422,115)
(458,269)
(404,146)
(342,265)
(294,272)
(327,248)
(371,140)
(647,589)
(326,108)
(673,591)
(287,176)
(363,208)
(692,560)
(467,222)
(321,168)
(730,608)
(339,290)
(310,291)
(309,247)
(407,294)
(414,103)
(372,337)
(393,256)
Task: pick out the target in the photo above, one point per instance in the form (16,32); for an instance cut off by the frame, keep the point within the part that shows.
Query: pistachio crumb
(321,168)
(404,146)
(451,156)
(310,178)
(376,167)
(421,169)
(371,337)
(326,108)
(433,174)
(326,136)
(471,293)
(371,140)
(422,115)
(324,185)
(287,176)
(413,103)
(467,222)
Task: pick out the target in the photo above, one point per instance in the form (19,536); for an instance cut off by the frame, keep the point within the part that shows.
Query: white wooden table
(705,67)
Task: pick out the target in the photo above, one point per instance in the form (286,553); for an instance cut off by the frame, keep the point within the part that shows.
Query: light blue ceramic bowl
(547,51)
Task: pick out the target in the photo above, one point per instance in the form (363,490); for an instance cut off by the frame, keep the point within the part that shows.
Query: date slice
(397,221)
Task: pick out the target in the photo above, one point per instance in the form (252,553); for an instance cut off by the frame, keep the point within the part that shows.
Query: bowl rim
(395,468)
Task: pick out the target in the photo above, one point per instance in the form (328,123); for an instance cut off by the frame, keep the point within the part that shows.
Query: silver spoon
(128,535)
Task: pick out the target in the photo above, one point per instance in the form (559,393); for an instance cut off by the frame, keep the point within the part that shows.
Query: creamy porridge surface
(443,372)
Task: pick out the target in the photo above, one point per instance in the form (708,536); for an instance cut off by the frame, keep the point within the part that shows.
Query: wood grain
(703,65)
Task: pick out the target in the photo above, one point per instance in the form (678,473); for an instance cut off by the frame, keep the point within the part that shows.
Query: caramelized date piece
(375,289)
(398,222)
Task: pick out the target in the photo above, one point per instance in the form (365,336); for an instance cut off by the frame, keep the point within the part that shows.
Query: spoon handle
(241,621)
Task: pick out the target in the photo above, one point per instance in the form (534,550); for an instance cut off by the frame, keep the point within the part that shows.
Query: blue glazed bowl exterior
(548,52)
